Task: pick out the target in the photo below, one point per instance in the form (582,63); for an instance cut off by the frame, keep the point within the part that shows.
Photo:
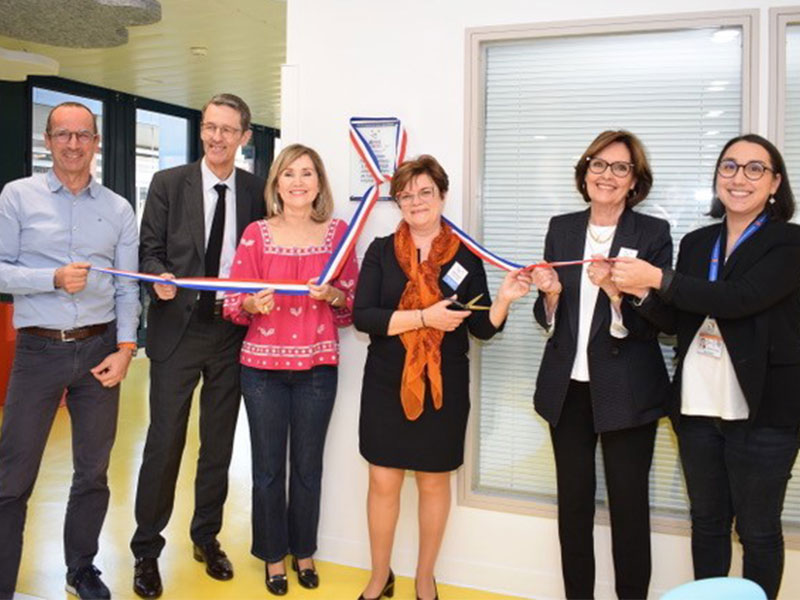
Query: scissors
(471,305)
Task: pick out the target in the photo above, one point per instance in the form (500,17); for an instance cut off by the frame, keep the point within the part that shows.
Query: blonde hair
(322,208)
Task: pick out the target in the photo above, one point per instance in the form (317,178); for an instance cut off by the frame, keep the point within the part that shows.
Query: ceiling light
(198,50)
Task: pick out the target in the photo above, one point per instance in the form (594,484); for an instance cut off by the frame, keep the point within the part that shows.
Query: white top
(210,196)
(709,387)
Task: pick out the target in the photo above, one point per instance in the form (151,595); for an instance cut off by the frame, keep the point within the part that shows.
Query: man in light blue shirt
(76,331)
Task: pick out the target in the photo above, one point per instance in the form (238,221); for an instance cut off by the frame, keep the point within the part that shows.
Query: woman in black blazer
(602,373)
(412,293)
(734,301)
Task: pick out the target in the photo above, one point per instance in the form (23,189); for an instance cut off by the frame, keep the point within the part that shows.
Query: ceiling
(244,42)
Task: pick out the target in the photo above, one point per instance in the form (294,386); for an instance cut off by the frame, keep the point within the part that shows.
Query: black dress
(435,441)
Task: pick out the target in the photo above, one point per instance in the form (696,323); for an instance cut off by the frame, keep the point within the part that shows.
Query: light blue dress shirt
(44,226)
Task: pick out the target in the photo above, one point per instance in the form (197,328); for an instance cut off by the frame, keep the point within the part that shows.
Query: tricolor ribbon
(348,241)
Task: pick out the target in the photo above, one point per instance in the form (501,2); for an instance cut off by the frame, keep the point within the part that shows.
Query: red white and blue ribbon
(348,241)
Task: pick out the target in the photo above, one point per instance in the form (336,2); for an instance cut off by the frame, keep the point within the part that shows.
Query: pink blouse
(300,332)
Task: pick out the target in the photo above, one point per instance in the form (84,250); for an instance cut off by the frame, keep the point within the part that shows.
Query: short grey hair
(234,102)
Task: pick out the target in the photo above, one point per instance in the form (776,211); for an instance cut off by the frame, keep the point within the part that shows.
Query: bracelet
(422,318)
(128,346)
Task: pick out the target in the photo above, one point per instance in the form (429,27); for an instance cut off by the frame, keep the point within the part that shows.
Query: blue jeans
(733,470)
(296,405)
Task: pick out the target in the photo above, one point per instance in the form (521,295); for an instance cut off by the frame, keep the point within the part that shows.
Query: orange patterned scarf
(423,346)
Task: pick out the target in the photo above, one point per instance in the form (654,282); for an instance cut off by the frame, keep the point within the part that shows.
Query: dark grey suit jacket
(628,379)
(172,240)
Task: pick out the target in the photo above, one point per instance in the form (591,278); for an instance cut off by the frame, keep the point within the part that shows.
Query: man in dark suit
(192,222)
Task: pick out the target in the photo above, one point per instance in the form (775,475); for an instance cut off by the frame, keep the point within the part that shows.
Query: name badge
(709,340)
(455,276)
(628,252)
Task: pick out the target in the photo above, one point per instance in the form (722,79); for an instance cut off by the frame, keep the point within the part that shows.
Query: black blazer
(628,378)
(172,240)
(756,302)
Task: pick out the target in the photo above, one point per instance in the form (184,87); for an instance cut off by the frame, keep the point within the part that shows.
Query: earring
(772,199)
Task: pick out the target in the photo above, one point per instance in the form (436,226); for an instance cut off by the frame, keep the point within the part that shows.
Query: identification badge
(455,276)
(709,340)
(628,252)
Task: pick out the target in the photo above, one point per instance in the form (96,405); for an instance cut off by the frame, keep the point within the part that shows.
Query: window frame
(779,19)
(474,110)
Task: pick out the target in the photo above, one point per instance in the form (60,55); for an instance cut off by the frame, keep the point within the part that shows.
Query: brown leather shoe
(146,578)
(217,564)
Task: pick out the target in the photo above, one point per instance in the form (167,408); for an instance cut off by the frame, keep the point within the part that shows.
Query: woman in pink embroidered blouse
(289,357)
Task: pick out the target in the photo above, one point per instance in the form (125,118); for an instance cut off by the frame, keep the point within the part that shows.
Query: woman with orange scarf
(414,299)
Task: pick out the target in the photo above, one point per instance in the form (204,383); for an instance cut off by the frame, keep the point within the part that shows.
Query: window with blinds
(791,125)
(544,100)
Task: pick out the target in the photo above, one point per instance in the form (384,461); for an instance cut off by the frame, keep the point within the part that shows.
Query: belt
(66,335)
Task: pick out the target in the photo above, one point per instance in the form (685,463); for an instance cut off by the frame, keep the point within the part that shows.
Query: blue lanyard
(713,266)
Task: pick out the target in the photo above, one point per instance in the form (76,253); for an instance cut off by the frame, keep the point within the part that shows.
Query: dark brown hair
(322,208)
(783,207)
(424,164)
(641,166)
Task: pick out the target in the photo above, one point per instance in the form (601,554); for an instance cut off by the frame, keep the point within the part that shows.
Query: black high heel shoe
(308,578)
(435,590)
(388,589)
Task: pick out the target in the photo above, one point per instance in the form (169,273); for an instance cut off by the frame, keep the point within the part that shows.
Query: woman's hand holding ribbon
(325,293)
(515,285)
(599,274)
(260,303)
(635,276)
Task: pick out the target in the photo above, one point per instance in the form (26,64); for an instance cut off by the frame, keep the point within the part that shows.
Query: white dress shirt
(229,241)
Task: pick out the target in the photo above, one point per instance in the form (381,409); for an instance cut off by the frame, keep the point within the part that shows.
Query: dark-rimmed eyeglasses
(63,136)
(619,168)
(753,170)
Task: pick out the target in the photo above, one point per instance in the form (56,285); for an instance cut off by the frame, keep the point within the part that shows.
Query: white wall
(406,59)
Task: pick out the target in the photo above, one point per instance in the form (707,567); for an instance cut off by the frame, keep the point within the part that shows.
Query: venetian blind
(791,125)
(545,100)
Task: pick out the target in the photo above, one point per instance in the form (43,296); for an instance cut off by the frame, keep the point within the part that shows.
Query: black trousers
(42,369)
(627,455)
(210,350)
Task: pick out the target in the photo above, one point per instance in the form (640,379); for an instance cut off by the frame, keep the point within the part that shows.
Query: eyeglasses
(754,170)
(619,168)
(63,136)
(424,194)
(225,130)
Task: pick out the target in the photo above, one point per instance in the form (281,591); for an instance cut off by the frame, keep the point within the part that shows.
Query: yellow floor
(42,571)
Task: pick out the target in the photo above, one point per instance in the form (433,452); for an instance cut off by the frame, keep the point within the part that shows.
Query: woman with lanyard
(734,301)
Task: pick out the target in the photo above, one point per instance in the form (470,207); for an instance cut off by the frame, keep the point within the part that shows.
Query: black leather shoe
(146,578)
(388,589)
(308,578)
(217,564)
(435,590)
(85,583)
(277,585)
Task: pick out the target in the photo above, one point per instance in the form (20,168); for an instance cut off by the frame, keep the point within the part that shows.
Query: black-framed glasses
(753,170)
(619,168)
(63,136)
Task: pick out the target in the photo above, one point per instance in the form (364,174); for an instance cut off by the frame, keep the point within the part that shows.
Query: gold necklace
(597,238)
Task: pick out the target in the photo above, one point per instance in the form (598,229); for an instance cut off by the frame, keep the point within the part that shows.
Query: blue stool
(717,588)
